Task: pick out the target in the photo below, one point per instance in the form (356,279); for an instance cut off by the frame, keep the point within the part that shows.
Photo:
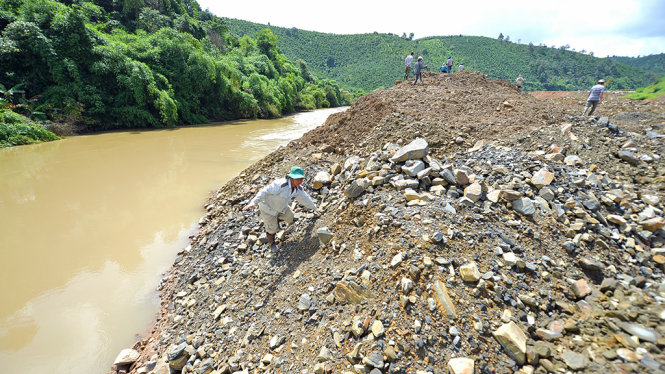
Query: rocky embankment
(496,233)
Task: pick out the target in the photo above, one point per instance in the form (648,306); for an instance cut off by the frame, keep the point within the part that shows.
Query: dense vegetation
(655,90)
(655,63)
(107,64)
(370,61)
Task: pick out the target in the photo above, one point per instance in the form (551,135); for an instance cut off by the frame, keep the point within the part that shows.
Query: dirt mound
(465,105)
(543,252)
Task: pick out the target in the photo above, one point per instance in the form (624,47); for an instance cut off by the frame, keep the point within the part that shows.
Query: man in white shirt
(273,201)
(595,97)
(519,82)
(407,63)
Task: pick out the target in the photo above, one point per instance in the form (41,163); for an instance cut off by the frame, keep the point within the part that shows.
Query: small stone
(469,272)
(581,288)
(324,235)
(377,329)
(575,360)
(443,300)
(461,365)
(628,355)
(374,359)
(629,157)
(509,258)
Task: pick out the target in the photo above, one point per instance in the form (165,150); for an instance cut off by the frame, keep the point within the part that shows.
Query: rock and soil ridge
(467,228)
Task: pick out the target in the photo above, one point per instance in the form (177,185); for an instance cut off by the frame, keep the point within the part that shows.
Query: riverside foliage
(371,61)
(142,63)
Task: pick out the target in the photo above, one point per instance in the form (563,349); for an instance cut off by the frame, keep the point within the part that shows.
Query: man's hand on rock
(319,212)
(248,207)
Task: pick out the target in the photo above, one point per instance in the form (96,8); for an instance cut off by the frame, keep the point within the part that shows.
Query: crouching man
(273,202)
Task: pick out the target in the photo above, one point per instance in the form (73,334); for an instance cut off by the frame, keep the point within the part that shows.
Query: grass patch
(651,92)
(16,129)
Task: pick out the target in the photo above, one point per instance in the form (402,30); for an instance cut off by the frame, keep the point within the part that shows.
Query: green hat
(296,173)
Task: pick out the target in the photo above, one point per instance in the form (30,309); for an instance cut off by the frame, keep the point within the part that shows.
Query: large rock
(653,224)
(461,177)
(473,192)
(324,235)
(356,188)
(414,150)
(321,178)
(524,206)
(127,356)
(178,356)
(469,272)
(542,178)
(412,168)
(513,340)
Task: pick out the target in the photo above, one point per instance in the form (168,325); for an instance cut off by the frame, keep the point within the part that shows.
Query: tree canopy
(147,63)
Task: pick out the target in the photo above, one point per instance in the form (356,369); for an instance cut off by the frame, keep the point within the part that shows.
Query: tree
(500,36)
(507,38)
(411,36)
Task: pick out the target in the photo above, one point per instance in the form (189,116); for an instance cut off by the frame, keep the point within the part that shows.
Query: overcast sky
(610,27)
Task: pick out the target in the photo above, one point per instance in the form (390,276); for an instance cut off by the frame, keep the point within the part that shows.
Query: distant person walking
(418,69)
(461,67)
(449,64)
(407,67)
(519,82)
(595,97)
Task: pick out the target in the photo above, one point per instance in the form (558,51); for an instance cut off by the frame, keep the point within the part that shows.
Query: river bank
(99,218)
(513,235)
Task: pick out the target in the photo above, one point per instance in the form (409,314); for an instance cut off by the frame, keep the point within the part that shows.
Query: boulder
(414,150)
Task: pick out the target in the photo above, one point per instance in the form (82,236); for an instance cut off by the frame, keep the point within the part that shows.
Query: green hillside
(370,61)
(655,90)
(655,63)
(105,64)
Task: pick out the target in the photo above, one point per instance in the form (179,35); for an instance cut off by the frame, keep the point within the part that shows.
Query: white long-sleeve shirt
(275,197)
(408,60)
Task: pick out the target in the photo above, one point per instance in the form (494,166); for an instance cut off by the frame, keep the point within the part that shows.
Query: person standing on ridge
(273,201)
(449,64)
(595,97)
(407,63)
(461,67)
(419,70)
(519,82)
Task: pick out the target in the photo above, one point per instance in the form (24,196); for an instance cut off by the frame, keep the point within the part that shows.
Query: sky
(610,27)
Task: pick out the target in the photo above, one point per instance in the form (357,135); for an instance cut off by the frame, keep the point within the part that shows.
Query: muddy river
(89,224)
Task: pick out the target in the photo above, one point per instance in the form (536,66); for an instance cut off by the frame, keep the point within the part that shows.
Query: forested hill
(370,61)
(108,64)
(655,63)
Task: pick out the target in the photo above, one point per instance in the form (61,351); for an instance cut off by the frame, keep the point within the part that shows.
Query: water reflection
(88,225)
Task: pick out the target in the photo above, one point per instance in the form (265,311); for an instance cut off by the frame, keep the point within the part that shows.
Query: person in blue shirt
(595,97)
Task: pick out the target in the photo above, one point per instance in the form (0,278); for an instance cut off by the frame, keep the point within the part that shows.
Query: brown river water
(89,224)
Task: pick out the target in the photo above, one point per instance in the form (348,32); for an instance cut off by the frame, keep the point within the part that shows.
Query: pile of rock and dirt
(467,228)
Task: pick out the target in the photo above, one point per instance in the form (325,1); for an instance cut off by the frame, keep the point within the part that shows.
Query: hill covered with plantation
(371,61)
